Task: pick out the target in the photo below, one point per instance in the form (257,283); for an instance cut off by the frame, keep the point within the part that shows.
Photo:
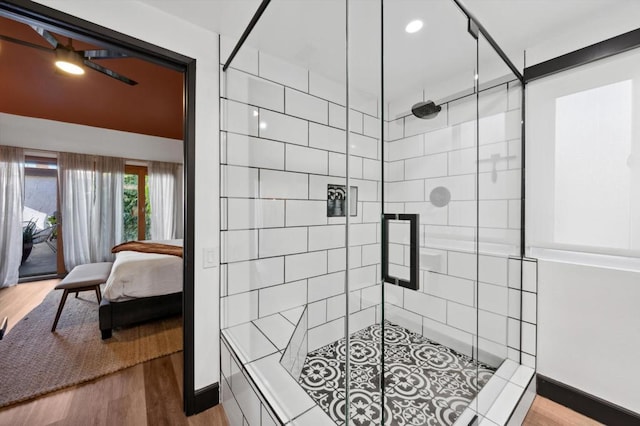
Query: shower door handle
(414,250)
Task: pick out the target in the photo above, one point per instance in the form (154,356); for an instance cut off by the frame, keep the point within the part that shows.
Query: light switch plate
(210,257)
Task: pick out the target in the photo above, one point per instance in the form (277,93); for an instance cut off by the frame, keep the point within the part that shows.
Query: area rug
(35,361)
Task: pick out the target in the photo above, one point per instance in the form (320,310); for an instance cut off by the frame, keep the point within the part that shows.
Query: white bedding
(136,275)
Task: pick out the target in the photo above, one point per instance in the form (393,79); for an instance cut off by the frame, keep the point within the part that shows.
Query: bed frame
(118,314)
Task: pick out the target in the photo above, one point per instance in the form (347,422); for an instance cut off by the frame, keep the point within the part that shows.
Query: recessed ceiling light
(255,113)
(413,26)
(263,125)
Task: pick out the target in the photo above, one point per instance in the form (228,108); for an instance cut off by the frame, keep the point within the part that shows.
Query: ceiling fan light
(68,62)
(69,67)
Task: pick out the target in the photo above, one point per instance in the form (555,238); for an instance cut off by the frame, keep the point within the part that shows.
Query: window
(136,204)
(592,176)
(583,159)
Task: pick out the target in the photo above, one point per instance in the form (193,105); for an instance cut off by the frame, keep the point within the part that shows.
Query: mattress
(136,275)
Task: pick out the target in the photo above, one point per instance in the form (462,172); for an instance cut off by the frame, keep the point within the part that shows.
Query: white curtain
(166,199)
(11,203)
(91,192)
(107,220)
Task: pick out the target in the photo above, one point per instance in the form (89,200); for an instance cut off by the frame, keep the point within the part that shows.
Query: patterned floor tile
(446,409)
(363,408)
(365,377)
(399,411)
(400,354)
(444,360)
(472,376)
(317,370)
(333,403)
(422,382)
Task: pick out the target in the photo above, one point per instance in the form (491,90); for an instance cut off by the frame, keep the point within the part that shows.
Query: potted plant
(28,232)
(53,220)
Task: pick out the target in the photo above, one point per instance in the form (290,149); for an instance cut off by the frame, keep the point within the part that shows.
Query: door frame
(65,24)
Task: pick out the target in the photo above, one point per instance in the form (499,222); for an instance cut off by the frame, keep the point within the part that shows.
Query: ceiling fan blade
(109,72)
(101,54)
(46,35)
(25,43)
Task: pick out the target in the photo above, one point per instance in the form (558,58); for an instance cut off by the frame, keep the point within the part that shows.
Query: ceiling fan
(73,61)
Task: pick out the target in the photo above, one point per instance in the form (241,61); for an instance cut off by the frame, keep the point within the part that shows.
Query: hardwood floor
(148,393)
(19,300)
(545,412)
(145,394)
(151,393)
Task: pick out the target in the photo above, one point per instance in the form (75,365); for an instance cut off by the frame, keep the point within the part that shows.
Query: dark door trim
(62,23)
(601,50)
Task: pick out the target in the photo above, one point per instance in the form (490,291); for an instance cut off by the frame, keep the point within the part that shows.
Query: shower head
(426,109)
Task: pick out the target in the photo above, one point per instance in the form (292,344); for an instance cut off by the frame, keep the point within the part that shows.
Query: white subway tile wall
(281,127)
(284,141)
(248,89)
(269,402)
(471,292)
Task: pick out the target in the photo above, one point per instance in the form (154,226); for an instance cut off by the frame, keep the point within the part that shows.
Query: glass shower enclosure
(371,183)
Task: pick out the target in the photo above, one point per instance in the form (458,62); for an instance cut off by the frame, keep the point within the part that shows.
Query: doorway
(53,20)
(40,219)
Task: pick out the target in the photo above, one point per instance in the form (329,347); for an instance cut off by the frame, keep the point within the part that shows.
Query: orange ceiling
(30,86)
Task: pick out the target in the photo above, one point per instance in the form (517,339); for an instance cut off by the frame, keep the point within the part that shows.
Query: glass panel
(285,204)
(40,218)
(295,354)
(364,388)
(430,169)
(310,161)
(498,257)
(398,247)
(130,205)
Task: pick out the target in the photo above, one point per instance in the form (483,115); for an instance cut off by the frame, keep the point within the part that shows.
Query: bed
(142,286)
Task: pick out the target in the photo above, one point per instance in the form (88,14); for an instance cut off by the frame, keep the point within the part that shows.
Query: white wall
(151,25)
(589,329)
(56,136)
(588,316)
(620,18)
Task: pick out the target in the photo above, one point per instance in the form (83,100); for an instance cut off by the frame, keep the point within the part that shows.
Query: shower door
(450,228)
(431,370)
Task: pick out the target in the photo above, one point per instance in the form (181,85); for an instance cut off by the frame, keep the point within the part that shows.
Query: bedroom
(147,138)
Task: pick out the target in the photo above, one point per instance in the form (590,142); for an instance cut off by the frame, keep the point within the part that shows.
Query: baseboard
(584,403)
(206,398)
(34,278)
